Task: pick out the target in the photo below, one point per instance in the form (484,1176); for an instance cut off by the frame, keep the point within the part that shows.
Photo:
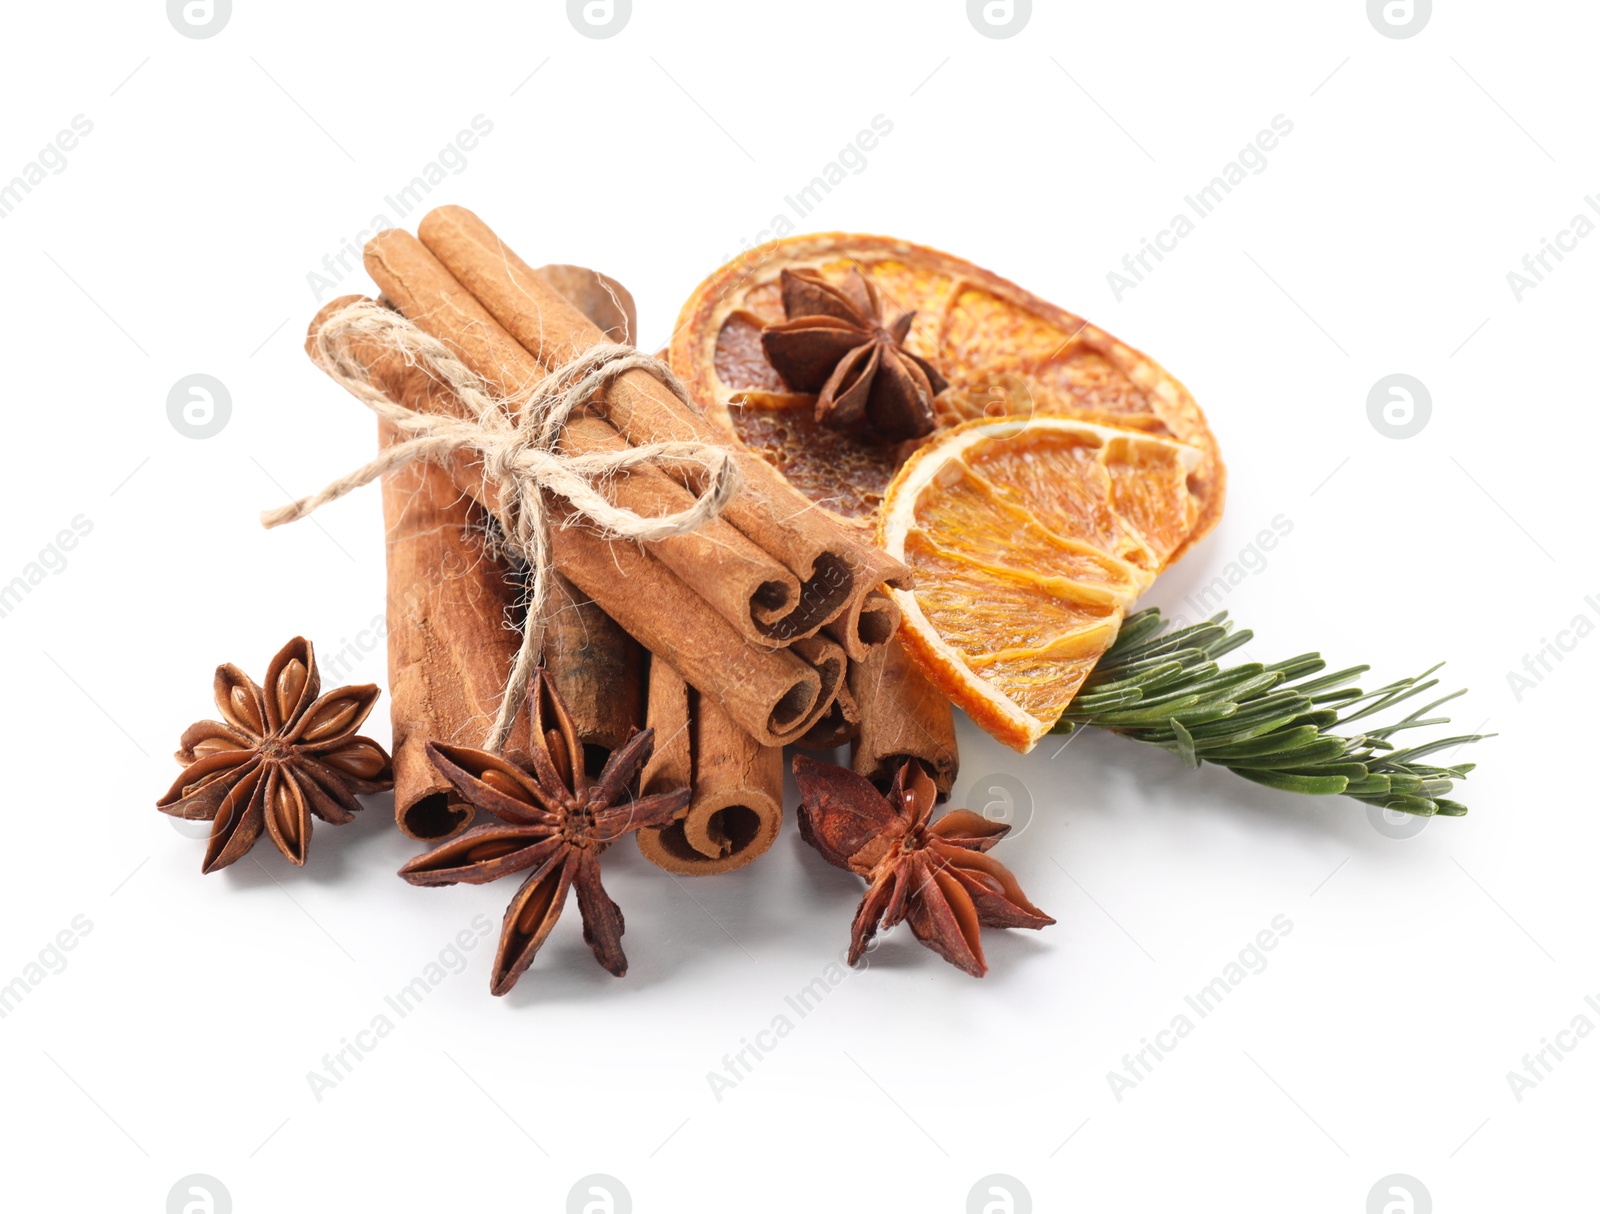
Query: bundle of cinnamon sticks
(764,626)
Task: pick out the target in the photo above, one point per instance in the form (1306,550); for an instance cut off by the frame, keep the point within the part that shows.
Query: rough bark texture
(597,669)
(737,805)
(903,716)
(450,641)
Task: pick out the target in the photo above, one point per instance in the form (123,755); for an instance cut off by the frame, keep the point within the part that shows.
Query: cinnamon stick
(772,693)
(597,669)
(734,577)
(903,716)
(838,572)
(737,808)
(448,597)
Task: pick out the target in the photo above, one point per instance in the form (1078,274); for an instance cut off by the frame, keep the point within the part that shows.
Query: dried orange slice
(1030,539)
(1004,350)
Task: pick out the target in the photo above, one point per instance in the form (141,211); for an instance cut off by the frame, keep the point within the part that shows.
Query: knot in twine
(515,438)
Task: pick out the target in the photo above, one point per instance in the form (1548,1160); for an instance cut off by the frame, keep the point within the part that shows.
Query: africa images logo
(1399,18)
(199,18)
(1399,1194)
(999,18)
(1399,406)
(199,406)
(599,1194)
(599,18)
(999,1194)
(199,1194)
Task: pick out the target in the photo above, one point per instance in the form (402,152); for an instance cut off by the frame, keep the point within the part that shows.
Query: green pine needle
(1273,724)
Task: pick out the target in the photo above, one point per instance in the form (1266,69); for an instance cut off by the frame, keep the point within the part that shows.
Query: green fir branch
(1284,724)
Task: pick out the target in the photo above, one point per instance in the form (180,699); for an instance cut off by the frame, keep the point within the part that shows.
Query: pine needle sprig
(1282,724)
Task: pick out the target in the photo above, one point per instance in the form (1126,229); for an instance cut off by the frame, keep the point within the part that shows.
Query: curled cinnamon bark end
(736,810)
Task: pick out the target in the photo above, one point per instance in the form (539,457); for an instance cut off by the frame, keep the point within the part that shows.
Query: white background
(179,1036)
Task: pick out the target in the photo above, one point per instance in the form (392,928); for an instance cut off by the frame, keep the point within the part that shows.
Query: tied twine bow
(515,438)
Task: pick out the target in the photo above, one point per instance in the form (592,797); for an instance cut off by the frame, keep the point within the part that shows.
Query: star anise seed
(834,342)
(278,757)
(933,875)
(554,820)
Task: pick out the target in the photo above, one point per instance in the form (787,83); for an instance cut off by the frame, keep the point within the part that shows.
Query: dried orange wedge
(1004,350)
(1030,540)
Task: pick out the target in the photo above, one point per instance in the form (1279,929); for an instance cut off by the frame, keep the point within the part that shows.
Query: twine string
(516,439)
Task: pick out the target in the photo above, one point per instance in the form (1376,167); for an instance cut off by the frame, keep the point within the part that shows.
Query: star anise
(835,343)
(933,875)
(552,820)
(277,757)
